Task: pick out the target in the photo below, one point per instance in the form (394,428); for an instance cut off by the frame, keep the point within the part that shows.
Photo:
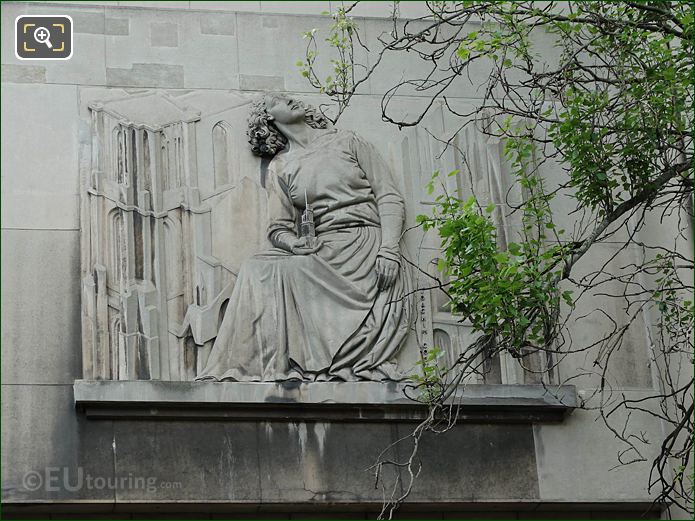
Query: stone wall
(283,467)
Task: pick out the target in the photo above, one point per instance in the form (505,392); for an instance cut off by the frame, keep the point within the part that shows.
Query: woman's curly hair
(265,139)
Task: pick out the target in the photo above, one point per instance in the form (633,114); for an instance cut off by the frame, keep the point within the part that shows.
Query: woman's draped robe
(321,316)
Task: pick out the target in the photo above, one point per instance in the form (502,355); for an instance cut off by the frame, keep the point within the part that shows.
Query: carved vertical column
(142,173)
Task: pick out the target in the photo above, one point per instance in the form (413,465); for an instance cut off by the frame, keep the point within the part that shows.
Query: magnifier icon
(43,35)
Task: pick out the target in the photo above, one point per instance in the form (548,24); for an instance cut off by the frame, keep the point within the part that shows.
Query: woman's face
(284,109)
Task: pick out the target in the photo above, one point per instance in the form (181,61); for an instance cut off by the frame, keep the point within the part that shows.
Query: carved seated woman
(332,304)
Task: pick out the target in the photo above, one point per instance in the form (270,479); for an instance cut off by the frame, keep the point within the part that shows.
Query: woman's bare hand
(300,247)
(386,272)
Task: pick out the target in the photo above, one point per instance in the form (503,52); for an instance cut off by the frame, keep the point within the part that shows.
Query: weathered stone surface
(291,401)
(393,71)
(211,461)
(503,464)
(23,73)
(88,22)
(146,75)
(217,5)
(259,58)
(50,210)
(240,462)
(117,26)
(310,8)
(237,463)
(270,22)
(633,358)
(268,83)
(585,445)
(220,24)
(310,462)
(46,447)
(207,60)
(164,34)
(40,307)
(379,9)
(141,393)
(40,190)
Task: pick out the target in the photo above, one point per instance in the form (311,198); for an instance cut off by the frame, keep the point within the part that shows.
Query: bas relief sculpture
(205,259)
(330,300)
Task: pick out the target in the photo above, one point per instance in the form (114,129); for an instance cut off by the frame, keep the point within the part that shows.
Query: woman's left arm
(390,203)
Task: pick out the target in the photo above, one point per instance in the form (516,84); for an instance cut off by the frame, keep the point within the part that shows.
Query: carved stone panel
(159,251)
(174,203)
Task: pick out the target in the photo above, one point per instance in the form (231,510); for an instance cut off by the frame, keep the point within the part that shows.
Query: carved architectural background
(481,171)
(154,280)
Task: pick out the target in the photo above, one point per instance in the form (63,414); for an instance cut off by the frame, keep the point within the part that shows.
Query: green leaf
(469,203)
(501,257)
(463,53)
(514,248)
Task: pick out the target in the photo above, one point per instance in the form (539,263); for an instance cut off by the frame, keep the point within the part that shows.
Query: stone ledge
(325,401)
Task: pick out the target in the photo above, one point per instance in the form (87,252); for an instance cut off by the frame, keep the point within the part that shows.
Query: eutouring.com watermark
(56,479)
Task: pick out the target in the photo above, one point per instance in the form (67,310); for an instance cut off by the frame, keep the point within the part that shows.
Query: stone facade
(165,87)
